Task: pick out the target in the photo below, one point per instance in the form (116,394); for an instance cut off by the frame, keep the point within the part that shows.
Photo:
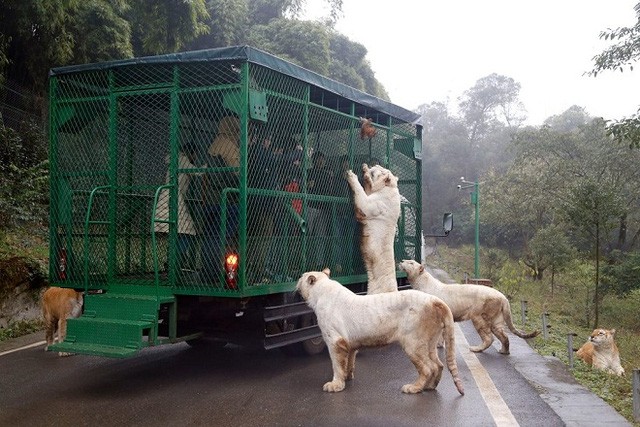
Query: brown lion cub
(348,321)
(58,305)
(601,352)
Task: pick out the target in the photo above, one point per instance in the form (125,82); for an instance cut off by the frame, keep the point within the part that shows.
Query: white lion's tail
(450,344)
(506,313)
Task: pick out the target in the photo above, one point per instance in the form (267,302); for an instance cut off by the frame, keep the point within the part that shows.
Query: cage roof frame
(256,56)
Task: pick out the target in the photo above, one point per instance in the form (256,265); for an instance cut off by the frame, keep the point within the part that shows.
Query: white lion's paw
(411,389)
(351,176)
(333,386)
(61,354)
(476,349)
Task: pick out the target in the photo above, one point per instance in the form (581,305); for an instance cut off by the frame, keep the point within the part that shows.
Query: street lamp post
(475,201)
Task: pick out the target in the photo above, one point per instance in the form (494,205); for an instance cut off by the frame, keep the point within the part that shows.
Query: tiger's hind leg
(484,330)
(498,331)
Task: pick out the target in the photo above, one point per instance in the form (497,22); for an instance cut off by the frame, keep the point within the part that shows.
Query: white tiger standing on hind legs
(411,318)
(487,308)
(377,208)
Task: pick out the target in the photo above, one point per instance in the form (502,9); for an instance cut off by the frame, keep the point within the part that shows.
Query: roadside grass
(18,329)
(568,309)
(29,242)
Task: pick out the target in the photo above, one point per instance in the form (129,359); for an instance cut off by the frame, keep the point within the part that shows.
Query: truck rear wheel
(310,347)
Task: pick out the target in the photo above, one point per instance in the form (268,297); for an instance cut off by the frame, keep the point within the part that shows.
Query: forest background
(558,203)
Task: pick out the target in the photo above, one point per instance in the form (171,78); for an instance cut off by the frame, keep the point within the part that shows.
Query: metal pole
(570,348)
(636,395)
(476,201)
(523,311)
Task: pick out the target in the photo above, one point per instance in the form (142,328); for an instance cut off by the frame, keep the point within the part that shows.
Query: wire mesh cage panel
(218,172)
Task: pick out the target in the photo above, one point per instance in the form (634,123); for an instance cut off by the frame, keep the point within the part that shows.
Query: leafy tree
(100,31)
(23,175)
(303,42)
(621,55)
(491,100)
(262,12)
(592,210)
(548,248)
(165,26)
(622,274)
(37,37)
(228,23)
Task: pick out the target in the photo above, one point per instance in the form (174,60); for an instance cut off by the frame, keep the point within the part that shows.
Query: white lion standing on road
(377,208)
(486,307)
(348,321)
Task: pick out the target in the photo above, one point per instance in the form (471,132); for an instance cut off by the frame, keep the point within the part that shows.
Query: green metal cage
(163,166)
(187,195)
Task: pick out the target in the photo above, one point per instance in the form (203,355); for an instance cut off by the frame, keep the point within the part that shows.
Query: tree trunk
(622,232)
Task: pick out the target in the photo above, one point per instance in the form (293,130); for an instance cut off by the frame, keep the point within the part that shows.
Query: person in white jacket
(185,223)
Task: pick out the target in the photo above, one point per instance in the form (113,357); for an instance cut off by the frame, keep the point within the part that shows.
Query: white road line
(35,344)
(496,405)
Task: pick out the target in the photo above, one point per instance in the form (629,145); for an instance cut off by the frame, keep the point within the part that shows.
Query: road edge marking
(35,344)
(497,406)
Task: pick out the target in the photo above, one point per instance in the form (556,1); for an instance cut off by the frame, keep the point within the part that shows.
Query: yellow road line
(496,405)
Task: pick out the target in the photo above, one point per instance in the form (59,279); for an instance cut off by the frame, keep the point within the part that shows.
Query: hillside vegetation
(568,305)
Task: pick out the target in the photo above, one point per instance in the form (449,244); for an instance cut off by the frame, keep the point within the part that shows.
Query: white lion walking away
(487,308)
(601,351)
(348,321)
(58,305)
(377,208)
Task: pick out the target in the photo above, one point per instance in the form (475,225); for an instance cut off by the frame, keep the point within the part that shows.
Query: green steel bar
(174,124)
(53,173)
(88,221)
(154,243)
(113,179)
(305,168)
(387,153)
(244,144)
(418,201)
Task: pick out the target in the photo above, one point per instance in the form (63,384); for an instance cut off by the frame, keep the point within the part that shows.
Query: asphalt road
(178,385)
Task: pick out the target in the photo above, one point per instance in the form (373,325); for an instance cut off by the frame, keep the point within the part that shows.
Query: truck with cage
(189,191)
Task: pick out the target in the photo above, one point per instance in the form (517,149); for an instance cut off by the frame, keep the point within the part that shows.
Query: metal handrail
(154,242)
(88,221)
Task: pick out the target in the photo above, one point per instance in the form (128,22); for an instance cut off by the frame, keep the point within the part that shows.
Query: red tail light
(231,261)
(62,264)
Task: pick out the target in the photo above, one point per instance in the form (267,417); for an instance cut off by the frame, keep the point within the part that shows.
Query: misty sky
(424,51)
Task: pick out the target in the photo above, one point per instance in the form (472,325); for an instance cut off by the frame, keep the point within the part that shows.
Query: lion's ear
(327,271)
(311,279)
(421,269)
(613,332)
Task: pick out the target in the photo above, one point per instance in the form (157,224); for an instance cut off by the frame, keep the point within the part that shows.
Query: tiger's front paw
(411,389)
(333,386)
